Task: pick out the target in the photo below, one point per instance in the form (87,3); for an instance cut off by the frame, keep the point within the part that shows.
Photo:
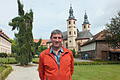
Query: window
(66,45)
(88,26)
(74,32)
(70,41)
(69,26)
(69,22)
(74,22)
(69,32)
(84,27)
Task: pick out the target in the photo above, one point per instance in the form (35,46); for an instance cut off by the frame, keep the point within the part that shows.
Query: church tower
(85,25)
(71,30)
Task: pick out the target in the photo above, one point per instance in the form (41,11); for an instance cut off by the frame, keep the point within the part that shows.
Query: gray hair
(56,32)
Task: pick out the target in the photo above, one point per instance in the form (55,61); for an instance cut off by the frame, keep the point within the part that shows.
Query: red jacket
(48,67)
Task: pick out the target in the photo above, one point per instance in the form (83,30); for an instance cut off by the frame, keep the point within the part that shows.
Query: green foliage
(8,60)
(24,37)
(42,48)
(96,63)
(113,36)
(35,60)
(5,71)
(3,55)
(14,46)
(35,47)
(74,52)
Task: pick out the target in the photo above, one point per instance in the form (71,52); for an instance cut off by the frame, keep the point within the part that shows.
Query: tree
(113,28)
(36,46)
(14,45)
(74,52)
(24,38)
(41,48)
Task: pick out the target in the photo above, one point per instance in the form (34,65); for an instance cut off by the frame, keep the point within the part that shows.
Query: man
(56,62)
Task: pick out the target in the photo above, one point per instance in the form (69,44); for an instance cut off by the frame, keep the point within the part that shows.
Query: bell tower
(86,26)
(71,30)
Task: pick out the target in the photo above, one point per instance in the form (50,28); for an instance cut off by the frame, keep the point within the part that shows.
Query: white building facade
(5,44)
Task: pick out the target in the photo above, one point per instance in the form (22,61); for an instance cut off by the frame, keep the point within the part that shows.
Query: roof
(44,41)
(98,37)
(81,35)
(84,34)
(65,35)
(2,34)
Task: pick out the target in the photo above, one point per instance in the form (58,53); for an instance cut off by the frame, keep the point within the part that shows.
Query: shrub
(5,72)
(8,60)
(3,55)
(97,63)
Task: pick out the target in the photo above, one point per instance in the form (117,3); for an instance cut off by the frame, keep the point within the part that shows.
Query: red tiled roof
(44,41)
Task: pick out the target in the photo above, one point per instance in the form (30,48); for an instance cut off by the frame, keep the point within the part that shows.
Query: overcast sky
(52,14)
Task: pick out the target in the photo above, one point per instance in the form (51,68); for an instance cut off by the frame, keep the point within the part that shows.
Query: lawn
(97,72)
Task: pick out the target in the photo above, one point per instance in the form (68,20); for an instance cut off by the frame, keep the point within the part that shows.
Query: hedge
(5,72)
(36,60)
(97,63)
(8,61)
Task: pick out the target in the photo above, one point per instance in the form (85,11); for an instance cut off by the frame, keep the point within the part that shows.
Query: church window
(74,32)
(69,22)
(74,22)
(70,33)
(66,45)
(69,26)
(88,26)
(70,41)
(84,27)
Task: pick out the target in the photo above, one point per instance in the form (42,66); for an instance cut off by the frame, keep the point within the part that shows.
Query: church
(73,38)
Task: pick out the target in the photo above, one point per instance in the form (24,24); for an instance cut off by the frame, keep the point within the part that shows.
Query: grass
(97,72)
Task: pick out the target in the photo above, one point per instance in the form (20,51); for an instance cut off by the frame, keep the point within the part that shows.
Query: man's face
(56,40)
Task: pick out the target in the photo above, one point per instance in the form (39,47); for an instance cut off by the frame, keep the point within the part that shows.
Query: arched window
(69,22)
(88,26)
(84,26)
(74,32)
(69,26)
(74,22)
(69,32)
(66,45)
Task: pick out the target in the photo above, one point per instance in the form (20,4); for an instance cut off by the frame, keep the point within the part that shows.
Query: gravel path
(24,73)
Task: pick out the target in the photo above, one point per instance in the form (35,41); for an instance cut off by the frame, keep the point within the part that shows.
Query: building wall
(79,43)
(89,47)
(85,27)
(101,48)
(5,46)
(72,33)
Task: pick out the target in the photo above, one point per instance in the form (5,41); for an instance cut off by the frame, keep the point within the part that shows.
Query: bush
(97,63)
(11,55)
(3,55)
(8,60)
(35,60)
(5,72)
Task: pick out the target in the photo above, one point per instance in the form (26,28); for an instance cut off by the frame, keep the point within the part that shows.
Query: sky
(52,14)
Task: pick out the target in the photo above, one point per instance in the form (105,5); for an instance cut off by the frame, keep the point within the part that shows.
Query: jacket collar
(64,51)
